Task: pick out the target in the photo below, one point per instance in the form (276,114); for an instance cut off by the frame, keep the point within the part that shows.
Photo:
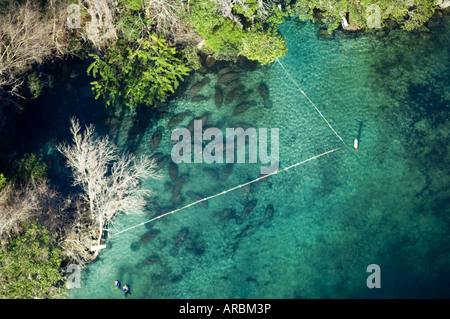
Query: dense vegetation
(139,51)
(166,32)
(30,266)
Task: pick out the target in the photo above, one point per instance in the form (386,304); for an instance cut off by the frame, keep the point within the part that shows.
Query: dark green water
(385,204)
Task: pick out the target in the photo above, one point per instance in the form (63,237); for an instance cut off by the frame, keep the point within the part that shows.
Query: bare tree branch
(111,182)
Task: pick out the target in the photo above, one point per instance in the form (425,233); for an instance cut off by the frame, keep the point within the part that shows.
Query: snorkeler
(126,289)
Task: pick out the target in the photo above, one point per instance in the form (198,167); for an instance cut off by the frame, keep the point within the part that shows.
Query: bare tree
(164,13)
(101,29)
(20,204)
(110,181)
(26,37)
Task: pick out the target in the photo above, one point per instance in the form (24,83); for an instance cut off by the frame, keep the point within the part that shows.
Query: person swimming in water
(117,283)
(126,289)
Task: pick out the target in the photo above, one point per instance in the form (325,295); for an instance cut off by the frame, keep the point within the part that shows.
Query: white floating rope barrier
(256,179)
(224,192)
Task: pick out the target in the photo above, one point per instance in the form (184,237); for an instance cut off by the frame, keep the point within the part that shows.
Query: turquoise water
(385,204)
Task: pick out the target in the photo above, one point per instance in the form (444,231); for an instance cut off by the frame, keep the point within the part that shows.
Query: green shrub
(31,167)
(143,72)
(30,267)
(3,181)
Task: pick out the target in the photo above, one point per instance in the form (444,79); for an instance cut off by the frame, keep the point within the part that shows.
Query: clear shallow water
(385,204)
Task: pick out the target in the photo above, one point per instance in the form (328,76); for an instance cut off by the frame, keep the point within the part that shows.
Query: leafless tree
(101,27)
(164,13)
(26,37)
(21,204)
(110,181)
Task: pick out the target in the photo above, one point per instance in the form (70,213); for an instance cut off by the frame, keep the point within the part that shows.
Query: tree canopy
(30,267)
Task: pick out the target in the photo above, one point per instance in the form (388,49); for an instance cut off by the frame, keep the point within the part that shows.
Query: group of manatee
(227,90)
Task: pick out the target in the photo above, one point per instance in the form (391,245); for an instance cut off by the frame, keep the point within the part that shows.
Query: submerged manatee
(231,86)
(135,246)
(230,97)
(212,172)
(241,108)
(156,138)
(268,104)
(226,214)
(263,91)
(197,196)
(148,236)
(150,260)
(160,162)
(228,77)
(181,236)
(218,97)
(269,212)
(199,98)
(247,210)
(173,171)
(224,71)
(204,118)
(197,87)
(243,96)
(177,119)
(226,171)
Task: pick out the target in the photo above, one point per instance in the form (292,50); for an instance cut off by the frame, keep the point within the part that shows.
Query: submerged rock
(157,156)
(210,60)
(180,182)
(249,207)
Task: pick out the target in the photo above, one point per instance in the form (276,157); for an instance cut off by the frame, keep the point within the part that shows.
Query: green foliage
(31,167)
(3,181)
(409,14)
(190,53)
(247,34)
(30,267)
(263,47)
(144,73)
(34,85)
(131,25)
(133,5)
